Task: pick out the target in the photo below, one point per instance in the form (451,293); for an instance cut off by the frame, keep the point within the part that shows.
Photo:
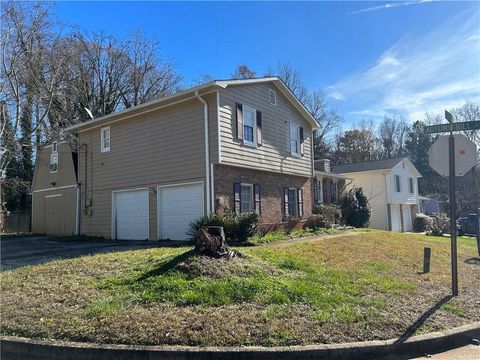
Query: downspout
(77,219)
(207,151)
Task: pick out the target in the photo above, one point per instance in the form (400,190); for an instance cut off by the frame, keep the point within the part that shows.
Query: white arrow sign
(465,155)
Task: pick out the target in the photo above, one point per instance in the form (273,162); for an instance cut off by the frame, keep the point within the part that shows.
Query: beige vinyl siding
(43,177)
(373,185)
(166,146)
(63,202)
(274,155)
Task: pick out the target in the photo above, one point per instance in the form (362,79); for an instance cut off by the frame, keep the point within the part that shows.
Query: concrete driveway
(20,251)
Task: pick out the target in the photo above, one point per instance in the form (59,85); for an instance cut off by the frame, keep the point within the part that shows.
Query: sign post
(453,205)
(461,154)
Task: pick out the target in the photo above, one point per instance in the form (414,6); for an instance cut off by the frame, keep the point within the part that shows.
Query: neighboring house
(147,172)
(430,206)
(391,188)
(55,192)
(327,184)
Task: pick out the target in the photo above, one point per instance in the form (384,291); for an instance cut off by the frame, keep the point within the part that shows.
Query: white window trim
(252,197)
(254,142)
(270,92)
(102,139)
(51,156)
(54,147)
(298,153)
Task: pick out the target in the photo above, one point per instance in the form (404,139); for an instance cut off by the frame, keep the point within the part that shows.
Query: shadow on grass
(424,317)
(168,265)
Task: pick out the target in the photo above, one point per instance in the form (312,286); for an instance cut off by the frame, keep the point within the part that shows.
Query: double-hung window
(397,183)
(293,202)
(246,196)
(410,183)
(295,139)
(54,162)
(105,139)
(249,119)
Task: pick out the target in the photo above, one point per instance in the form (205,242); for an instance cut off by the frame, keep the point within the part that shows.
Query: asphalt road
(20,251)
(469,352)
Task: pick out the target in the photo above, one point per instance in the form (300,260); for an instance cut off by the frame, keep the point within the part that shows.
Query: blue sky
(371,58)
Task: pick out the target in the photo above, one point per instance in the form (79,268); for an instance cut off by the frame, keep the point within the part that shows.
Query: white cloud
(437,70)
(389,6)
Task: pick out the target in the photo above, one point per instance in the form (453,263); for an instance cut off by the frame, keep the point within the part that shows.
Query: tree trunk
(211,242)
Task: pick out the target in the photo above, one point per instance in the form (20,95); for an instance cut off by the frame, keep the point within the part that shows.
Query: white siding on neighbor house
(373,185)
(274,155)
(404,196)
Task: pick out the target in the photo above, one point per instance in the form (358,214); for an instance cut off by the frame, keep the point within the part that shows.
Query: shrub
(422,223)
(207,220)
(330,213)
(355,208)
(315,221)
(236,227)
(239,227)
(440,225)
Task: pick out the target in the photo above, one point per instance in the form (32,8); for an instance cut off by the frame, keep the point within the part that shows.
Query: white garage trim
(113,210)
(159,201)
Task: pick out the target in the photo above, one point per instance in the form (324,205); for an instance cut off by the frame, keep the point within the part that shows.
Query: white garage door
(395,216)
(178,206)
(407,218)
(130,215)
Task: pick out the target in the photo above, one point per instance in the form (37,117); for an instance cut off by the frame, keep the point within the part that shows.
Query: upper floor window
(410,184)
(272,97)
(397,183)
(54,162)
(105,139)
(54,147)
(249,120)
(294,139)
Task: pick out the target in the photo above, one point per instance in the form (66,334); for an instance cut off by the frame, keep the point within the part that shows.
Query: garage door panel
(407,218)
(178,206)
(131,215)
(395,216)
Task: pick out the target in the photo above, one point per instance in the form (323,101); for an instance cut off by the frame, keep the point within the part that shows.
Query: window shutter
(300,203)
(285,200)
(301,140)
(256,196)
(259,128)
(239,121)
(237,200)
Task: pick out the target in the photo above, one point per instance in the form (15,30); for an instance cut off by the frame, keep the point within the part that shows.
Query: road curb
(15,348)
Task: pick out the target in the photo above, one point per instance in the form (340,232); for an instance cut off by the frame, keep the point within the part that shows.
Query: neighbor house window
(54,147)
(410,183)
(293,202)
(294,139)
(246,196)
(54,162)
(397,183)
(105,141)
(249,125)
(272,97)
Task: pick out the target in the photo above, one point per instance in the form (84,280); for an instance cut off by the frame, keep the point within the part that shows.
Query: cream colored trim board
(55,188)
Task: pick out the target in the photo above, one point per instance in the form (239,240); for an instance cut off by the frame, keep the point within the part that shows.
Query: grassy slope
(352,287)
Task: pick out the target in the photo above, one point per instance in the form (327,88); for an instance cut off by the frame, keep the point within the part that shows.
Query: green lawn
(360,286)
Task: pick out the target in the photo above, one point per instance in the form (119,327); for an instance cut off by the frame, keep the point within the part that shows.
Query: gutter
(207,151)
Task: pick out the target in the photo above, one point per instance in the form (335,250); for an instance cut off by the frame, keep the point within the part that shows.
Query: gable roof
(373,165)
(191,93)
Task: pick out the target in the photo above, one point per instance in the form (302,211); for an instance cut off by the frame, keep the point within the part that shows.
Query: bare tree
(244,72)
(391,136)
(293,79)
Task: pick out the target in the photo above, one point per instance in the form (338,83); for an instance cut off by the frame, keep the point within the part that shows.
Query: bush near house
(422,223)
(330,213)
(355,209)
(440,225)
(237,227)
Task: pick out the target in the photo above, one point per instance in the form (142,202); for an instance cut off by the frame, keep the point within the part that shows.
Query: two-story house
(148,171)
(391,188)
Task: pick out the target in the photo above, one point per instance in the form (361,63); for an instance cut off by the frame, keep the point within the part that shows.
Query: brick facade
(271,190)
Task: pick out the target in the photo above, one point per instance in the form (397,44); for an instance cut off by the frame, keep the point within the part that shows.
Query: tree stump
(211,242)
